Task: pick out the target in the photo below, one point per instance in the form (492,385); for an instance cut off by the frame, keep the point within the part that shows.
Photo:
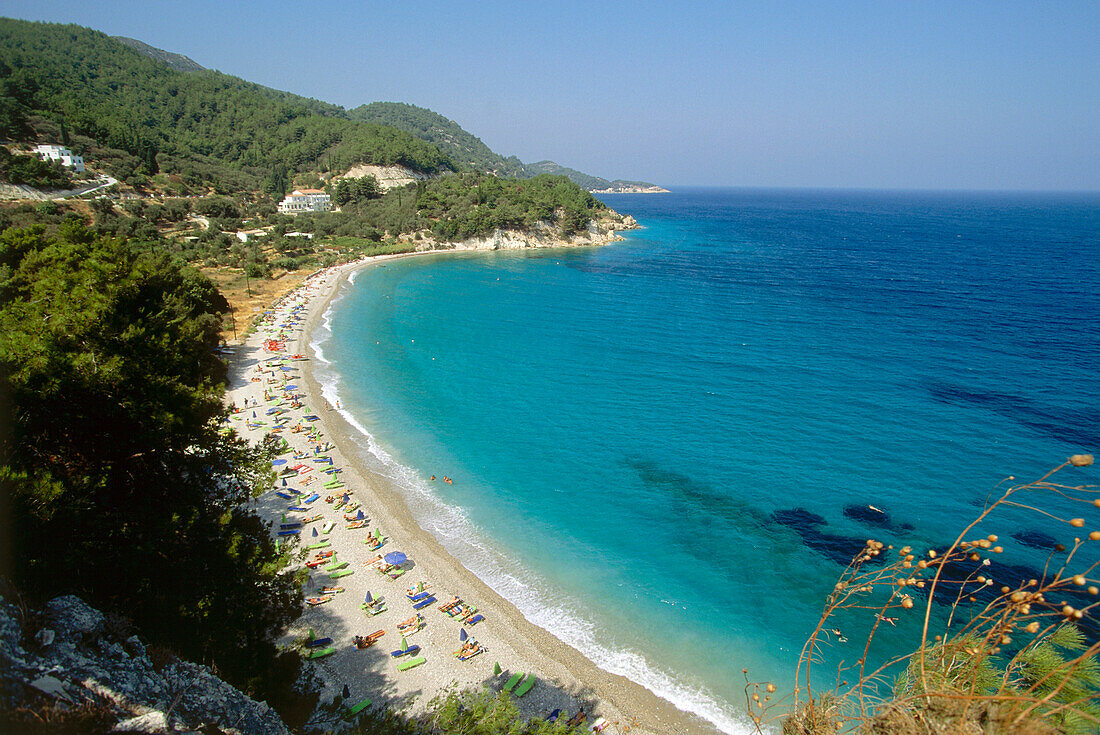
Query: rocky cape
(600,231)
(67,662)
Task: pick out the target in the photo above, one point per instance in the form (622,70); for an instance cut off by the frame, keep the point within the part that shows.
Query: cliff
(67,668)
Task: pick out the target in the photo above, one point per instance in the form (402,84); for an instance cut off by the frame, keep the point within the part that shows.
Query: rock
(150,722)
(134,646)
(629,223)
(50,686)
(70,614)
(45,637)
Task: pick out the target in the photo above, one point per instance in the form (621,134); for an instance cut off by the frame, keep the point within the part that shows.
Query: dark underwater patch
(1036,539)
(1066,425)
(808,525)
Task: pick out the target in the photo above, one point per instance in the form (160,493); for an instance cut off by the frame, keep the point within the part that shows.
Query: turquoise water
(654,444)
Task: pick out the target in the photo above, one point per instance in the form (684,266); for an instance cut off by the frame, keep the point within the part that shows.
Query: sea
(666,450)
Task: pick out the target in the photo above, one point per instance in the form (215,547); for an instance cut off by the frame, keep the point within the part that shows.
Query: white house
(305,200)
(59,153)
(246,235)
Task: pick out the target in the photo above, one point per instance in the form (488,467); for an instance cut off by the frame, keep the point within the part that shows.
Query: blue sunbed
(294,532)
(406,652)
(285,526)
(475,619)
(284,496)
(419,596)
(298,509)
(423,603)
(311,499)
(318,643)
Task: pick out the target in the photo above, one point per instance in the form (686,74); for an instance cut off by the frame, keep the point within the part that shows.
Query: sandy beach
(565,679)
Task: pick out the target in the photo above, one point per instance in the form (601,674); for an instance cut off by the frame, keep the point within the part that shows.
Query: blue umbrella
(290,387)
(462,635)
(395,557)
(360,516)
(315,531)
(284,482)
(277,462)
(368,599)
(253,414)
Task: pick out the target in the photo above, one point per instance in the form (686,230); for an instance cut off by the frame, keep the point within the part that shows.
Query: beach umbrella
(253,414)
(496,668)
(284,517)
(404,644)
(378,534)
(312,635)
(462,635)
(347,692)
(359,517)
(346,496)
(420,586)
(284,482)
(315,531)
(395,558)
(368,599)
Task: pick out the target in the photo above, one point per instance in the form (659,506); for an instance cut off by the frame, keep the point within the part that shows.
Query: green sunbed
(357,709)
(318,545)
(344,573)
(411,663)
(320,653)
(335,565)
(526,685)
(513,681)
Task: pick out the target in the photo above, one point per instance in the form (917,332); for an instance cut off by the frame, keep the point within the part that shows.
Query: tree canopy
(120,485)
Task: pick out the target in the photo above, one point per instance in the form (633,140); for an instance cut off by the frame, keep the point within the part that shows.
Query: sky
(901,94)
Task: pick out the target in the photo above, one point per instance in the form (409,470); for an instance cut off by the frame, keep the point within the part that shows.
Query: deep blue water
(654,444)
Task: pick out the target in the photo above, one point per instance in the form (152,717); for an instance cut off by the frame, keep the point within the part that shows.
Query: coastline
(567,679)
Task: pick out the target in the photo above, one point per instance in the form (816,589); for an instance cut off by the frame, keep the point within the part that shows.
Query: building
(59,153)
(246,235)
(305,200)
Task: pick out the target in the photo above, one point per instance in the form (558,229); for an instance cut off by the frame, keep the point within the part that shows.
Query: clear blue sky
(890,94)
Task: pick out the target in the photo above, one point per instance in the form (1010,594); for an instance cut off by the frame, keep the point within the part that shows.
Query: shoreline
(567,679)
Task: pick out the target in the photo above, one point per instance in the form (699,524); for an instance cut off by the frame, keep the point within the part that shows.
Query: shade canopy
(395,557)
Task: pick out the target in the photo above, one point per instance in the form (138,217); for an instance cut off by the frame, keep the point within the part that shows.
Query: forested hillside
(447,135)
(180,122)
(465,148)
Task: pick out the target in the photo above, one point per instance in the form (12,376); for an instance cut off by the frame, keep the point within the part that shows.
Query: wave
(537,601)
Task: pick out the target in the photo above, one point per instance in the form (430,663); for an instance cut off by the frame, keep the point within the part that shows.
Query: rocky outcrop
(70,660)
(600,231)
(389,177)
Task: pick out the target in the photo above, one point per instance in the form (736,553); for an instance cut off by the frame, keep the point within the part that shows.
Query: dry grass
(249,297)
